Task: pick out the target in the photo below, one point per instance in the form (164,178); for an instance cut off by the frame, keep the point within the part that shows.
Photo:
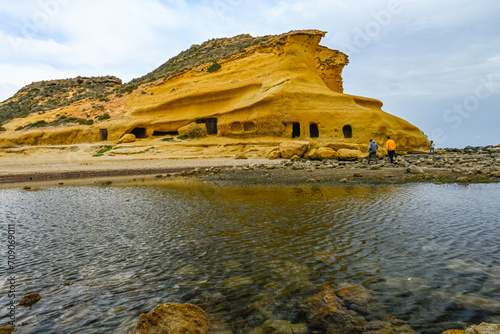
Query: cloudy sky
(433,63)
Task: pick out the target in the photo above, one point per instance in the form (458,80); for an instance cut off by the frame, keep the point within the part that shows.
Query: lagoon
(102,255)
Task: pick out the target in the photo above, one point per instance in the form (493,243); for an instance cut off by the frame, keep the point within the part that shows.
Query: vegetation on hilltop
(43,96)
(210,51)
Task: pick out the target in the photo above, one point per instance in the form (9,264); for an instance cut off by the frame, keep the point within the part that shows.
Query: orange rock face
(288,87)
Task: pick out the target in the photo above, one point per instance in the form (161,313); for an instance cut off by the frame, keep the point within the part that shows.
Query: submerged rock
(325,310)
(358,298)
(173,318)
(469,302)
(6,329)
(283,327)
(30,299)
(389,326)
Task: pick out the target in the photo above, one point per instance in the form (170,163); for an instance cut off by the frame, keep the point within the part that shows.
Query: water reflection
(245,254)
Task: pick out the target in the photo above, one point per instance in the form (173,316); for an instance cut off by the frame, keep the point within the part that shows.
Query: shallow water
(243,253)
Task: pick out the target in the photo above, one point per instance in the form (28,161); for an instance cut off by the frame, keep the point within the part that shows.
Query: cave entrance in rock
(211,124)
(139,132)
(313,130)
(347,130)
(104,134)
(296,130)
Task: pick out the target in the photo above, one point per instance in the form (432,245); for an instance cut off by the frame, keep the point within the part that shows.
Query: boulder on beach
(293,148)
(350,155)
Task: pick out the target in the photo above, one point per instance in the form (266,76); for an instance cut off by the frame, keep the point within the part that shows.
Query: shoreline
(280,172)
(77,164)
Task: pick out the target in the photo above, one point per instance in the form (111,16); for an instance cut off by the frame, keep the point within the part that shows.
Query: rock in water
(30,299)
(173,318)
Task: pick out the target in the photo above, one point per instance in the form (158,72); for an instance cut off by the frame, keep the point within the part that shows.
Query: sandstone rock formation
(286,87)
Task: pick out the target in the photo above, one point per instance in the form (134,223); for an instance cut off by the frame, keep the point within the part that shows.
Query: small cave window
(104,134)
(249,126)
(139,132)
(347,130)
(211,124)
(296,130)
(313,130)
(236,127)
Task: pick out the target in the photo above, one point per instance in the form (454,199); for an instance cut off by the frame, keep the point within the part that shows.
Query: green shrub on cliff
(214,67)
(103,117)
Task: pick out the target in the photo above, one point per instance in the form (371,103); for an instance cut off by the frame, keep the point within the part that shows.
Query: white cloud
(422,49)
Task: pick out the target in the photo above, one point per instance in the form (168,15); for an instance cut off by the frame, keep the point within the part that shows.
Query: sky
(433,63)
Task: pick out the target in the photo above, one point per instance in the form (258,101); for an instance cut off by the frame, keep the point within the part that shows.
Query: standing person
(372,150)
(391,148)
(432,148)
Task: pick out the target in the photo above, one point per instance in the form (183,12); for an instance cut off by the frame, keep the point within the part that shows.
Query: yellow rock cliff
(286,88)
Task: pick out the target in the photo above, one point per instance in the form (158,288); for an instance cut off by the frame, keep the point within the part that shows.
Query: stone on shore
(414,170)
(463,179)
(274,154)
(173,318)
(327,153)
(292,148)
(312,154)
(349,155)
(127,138)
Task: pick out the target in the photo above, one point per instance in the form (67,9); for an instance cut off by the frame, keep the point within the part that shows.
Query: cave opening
(139,132)
(313,130)
(211,124)
(104,134)
(347,130)
(296,130)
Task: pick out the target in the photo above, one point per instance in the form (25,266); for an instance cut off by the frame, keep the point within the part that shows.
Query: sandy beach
(70,164)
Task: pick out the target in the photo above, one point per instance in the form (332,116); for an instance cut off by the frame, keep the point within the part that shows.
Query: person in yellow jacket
(391,148)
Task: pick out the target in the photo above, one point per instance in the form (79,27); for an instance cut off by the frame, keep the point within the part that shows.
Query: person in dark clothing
(372,150)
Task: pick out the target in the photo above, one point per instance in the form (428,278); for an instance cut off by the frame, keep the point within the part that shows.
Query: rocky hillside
(43,96)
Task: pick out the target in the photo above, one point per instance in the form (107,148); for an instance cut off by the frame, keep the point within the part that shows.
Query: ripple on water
(248,254)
